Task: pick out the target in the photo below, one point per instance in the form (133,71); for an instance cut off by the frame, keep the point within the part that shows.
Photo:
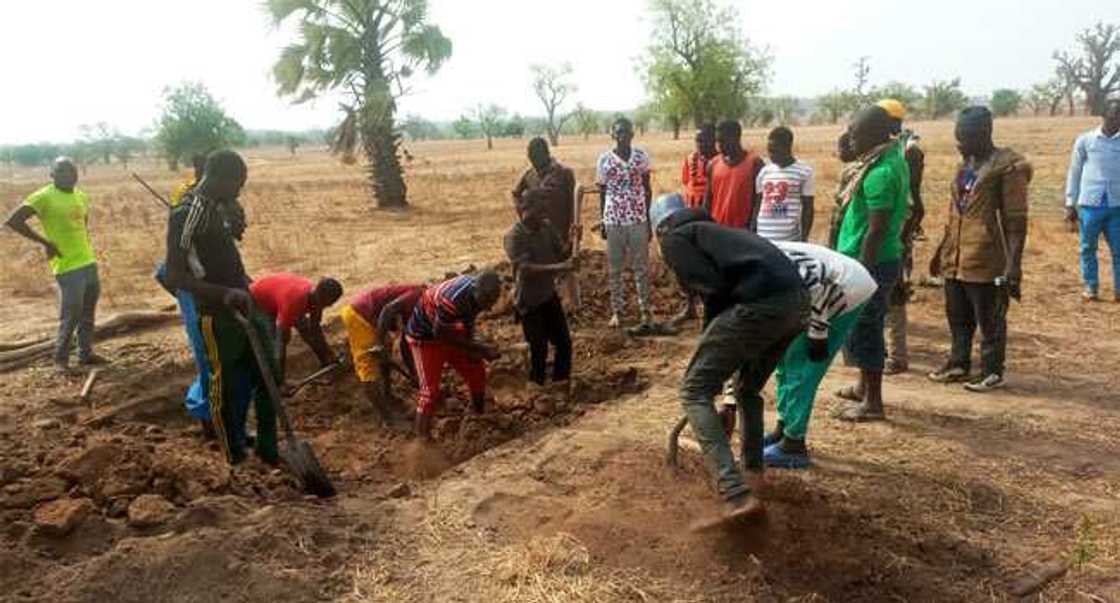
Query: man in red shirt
(294,301)
(370,319)
(441,331)
(730,197)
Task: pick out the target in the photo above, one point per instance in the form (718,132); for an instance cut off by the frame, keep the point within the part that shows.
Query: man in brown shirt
(556,181)
(981,252)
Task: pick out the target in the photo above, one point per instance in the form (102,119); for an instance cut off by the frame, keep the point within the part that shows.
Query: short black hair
(328,290)
(975,118)
(622,120)
(198,162)
(730,127)
(226,163)
(538,143)
(782,135)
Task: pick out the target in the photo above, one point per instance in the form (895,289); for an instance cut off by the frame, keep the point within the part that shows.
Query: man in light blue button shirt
(1093,197)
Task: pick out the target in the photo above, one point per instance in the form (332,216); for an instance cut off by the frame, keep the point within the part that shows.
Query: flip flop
(848,392)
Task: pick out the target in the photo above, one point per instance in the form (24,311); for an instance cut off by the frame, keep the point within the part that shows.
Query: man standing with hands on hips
(63,211)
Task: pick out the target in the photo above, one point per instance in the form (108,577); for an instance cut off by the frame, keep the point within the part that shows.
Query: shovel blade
(305,465)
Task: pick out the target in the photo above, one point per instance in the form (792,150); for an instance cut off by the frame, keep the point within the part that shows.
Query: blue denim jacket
(1094,171)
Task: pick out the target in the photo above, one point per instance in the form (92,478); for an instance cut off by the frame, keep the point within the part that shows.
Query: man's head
(1111,117)
(539,155)
(326,292)
(622,131)
(664,208)
(198,162)
(870,127)
(729,136)
(64,173)
(974,132)
(706,140)
(897,112)
(530,206)
(224,175)
(779,144)
(487,289)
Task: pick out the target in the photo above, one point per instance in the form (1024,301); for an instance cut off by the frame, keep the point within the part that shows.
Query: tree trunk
(380,143)
(173,164)
(489,143)
(553,136)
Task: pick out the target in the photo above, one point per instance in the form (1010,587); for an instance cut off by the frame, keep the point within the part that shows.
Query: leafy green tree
(642,118)
(786,109)
(365,50)
(1096,71)
(465,127)
(489,119)
(943,97)
(700,66)
(552,86)
(1006,102)
(192,121)
(418,128)
(125,148)
(862,73)
(835,105)
(101,138)
(909,96)
(1045,96)
(587,122)
(514,127)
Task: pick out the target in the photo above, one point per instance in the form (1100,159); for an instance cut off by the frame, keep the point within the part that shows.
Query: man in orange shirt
(694,181)
(730,197)
(694,171)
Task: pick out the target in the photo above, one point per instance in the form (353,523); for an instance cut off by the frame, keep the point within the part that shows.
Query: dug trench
(129,501)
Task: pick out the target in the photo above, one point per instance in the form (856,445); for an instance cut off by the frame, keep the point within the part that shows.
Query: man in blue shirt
(1093,197)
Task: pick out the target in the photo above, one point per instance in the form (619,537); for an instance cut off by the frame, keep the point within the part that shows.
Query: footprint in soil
(423,461)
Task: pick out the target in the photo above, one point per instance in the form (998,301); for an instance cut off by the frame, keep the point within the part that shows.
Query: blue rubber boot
(777,457)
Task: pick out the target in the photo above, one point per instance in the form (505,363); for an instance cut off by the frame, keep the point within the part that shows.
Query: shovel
(297,454)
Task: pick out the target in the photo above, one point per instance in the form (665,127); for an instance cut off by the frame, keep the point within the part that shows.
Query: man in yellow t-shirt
(63,212)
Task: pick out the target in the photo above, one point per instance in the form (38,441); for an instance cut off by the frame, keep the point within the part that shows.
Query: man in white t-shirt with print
(624,185)
(786,188)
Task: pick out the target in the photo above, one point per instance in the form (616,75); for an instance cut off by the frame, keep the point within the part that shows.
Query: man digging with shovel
(754,305)
(220,286)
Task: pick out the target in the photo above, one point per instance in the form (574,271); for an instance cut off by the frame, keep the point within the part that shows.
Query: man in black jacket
(754,305)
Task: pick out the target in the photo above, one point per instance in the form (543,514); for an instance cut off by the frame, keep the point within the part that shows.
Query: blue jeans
(867,347)
(1096,221)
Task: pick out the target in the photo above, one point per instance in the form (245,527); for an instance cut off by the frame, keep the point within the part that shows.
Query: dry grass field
(956,498)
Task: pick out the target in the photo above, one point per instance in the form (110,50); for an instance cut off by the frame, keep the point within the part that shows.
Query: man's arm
(179,275)
(1073,179)
(808,213)
(878,223)
(1013,215)
(17,221)
(916,161)
(310,329)
(708,187)
(756,197)
(647,190)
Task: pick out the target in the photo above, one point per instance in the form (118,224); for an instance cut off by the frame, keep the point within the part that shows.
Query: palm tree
(366,50)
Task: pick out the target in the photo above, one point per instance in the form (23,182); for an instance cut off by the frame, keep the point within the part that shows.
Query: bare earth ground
(958,497)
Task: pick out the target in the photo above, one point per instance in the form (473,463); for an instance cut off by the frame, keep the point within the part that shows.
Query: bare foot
(862,413)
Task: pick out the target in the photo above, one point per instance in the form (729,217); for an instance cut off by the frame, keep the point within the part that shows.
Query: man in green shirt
(874,207)
(63,211)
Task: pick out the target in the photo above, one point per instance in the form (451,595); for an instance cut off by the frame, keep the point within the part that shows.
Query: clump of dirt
(142,507)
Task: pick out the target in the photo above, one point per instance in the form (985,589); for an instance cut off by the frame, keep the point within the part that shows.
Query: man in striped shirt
(786,188)
(441,332)
(838,287)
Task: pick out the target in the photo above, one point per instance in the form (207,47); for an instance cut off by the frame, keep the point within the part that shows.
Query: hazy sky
(70,62)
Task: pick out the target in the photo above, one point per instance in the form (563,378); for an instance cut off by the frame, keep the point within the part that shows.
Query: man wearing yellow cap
(898,355)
